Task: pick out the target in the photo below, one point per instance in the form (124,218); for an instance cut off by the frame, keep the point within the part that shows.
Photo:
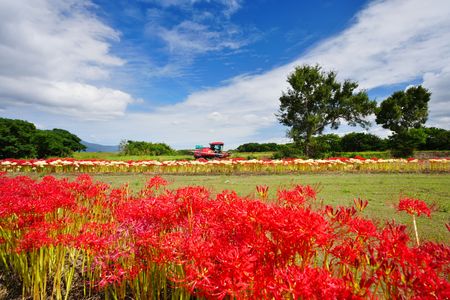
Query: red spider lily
(225,246)
(360,204)
(33,240)
(262,191)
(296,196)
(156,182)
(309,283)
(413,206)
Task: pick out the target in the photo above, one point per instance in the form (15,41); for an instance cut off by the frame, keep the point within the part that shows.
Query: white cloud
(65,97)
(439,83)
(389,42)
(49,52)
(229,7)
(190,38)
(382,47)
(196,31)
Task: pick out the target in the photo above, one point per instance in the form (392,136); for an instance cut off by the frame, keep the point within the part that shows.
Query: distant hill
(91,147)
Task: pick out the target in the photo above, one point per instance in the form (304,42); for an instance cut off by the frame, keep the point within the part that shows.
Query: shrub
(356,142)
(145,148)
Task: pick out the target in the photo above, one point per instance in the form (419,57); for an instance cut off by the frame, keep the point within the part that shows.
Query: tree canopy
(404,113)
(16,139)
(21,139)
(315,100)
(404,109)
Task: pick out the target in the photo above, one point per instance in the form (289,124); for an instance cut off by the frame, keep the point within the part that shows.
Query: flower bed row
(231,166)
(60,237)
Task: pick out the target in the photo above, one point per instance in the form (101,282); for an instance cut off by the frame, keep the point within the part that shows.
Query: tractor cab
(215,150)
(217,147)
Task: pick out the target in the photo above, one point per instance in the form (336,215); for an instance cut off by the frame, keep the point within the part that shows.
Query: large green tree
(404,110)
(404,113)
(48,143)
(21,139)
(16,139)
(315,100)
(69,140)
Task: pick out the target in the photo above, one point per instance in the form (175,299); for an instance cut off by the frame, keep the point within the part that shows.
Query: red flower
(413,206)
(262,191)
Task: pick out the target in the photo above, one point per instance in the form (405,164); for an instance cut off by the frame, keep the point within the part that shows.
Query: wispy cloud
(382,47)
(228,7)
(192,38)
(395,42)
(389,42)
(50,51)
(190,29)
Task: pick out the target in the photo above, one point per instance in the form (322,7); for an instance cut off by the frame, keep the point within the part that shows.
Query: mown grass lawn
(381,190)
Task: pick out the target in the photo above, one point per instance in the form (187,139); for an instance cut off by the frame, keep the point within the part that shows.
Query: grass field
(381,190)
(246,155)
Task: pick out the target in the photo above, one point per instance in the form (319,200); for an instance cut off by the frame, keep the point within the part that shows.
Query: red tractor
(215,150)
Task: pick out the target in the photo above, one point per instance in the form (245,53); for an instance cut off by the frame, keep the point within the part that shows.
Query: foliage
(183,152)
(358,141)
(21,139)
(183,243)
(315,100)
(325,145)
(49,143)
(145,148)
(402,144)
(404,113)
(16,139)
(257,147)
(290,150)
(437,139)
(404,109)
(366,154)
(69,140)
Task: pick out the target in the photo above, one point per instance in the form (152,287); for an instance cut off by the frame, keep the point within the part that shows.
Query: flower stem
(415,230)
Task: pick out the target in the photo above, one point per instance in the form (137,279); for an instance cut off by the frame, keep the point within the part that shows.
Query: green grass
(253,155)
(381,190)
(118,156)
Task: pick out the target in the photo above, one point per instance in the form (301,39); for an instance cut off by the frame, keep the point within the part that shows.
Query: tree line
(332,144)
(316,100)
(21,139)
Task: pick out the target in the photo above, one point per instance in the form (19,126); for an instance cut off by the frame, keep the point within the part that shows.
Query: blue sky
(187,72)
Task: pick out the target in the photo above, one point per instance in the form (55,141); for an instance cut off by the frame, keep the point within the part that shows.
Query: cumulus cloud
(50,51)
(381,47)
(388,42)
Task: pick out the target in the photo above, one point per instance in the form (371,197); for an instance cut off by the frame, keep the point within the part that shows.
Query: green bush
(145,148)
(256,147)
(403,144)
(437,139)
(288,151)
(358,141)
